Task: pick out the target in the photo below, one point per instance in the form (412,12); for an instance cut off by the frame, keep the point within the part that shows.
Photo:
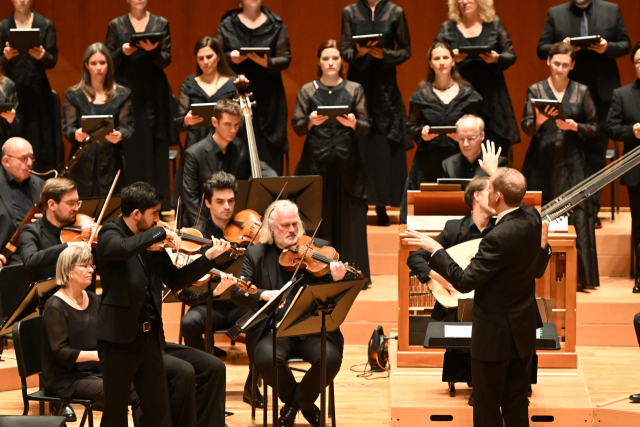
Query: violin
(80,230)
(192,242)
(243,227)
(314,259)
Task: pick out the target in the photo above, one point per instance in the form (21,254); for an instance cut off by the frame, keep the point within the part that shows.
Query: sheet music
(275,300)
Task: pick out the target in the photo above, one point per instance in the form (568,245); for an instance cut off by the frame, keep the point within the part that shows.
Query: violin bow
(104,208)
(307,247)
(262,222)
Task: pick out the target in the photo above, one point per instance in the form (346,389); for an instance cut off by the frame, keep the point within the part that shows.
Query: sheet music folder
(37,294)
(23,39)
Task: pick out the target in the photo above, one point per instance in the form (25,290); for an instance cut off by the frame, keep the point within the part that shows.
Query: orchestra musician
(129,330)
(96,94)
(8,125)
(261,267)
(331,151)
(19,191)
(220,151)
(470,133)
(219,197)
(374,65)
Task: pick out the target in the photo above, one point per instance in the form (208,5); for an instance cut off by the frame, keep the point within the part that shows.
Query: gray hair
(270,216)
(68,260)
(478,120)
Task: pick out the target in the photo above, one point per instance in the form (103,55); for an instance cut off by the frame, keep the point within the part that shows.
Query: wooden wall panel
(80,23)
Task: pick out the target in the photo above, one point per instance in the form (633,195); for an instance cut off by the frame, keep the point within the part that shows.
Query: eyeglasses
(74,203)
(86,266)
(23,159)
(471,139)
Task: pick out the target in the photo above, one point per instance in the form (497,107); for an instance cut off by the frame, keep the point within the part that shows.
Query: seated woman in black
(440,101)
(555,159)
(331,151)
(70,363)
(97,94)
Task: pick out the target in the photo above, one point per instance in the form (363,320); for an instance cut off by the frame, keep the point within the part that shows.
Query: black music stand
(317,309)
(92,206)
(34,299)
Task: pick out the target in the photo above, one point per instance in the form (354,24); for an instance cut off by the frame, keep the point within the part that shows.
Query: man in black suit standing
(595,65)
(261,267)
(19,190)
(467,163)
(130,334)
(220,151)
(504,314)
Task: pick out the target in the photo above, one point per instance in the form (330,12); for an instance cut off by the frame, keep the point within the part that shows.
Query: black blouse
(488,79)
(378,76)
(97,168)
(266,84)
(67,332)
(192,93)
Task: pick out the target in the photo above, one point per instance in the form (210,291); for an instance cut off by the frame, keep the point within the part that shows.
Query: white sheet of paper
(538,333)
(560,225)
(455,331)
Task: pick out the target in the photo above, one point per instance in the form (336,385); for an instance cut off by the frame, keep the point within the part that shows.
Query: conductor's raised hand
(348,120)
(128,50)
(80,135)
(226,281)
(490,158)
(147,45)
(459,57)
(425,242)
(262,60)
(37,52)
(9,116)
(338,270)
(426,135)
(190,119)
(236,57)
(316,119)
(113,137)
(10,52)
(218,247)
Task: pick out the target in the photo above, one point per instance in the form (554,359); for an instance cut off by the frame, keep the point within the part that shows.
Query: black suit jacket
(40,248)
(457,166)
(7,214)
(200,162)
(599,72)
(502,275)
(623,114)
(125,277)
(260,267)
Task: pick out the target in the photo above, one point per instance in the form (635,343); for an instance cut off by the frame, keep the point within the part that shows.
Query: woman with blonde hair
(474,23)
(97,94)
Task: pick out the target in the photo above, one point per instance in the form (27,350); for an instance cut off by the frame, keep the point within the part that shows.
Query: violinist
(260,266)
(19,190)
(221,151)
(219,196)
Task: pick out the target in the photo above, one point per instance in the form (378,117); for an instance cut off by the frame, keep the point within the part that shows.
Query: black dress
(330,151)
(555,163)
(153,104)
(488,79)
(427,109)
(384,149)
(8,96)
(37,112)
(97,168)
(65,336)
(270,113)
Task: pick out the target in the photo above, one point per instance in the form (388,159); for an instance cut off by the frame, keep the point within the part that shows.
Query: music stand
(34,299)
(317,309)
(92,206)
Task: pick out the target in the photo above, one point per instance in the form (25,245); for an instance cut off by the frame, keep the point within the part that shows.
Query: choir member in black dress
(140,69)
(212,81)
(555,159)
(440,101)
(623,124)
(331,151)
(37,110)
(95,94)
(256,26)
(8,95)
(595,66)
(474,23)
(374,67)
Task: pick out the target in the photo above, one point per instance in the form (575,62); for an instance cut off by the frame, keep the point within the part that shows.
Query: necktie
(584,25)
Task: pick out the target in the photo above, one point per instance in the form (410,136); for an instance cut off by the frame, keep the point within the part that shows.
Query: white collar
(503,213)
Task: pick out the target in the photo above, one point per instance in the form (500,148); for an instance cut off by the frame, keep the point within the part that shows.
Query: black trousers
(196,387)
(93,388)
(140,363)
(634,204)
(290,392)
(497,385)
(595,149)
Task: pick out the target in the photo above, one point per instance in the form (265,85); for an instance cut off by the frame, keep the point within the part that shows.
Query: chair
(28,338)
(265,394)
(14,282)
(33,421)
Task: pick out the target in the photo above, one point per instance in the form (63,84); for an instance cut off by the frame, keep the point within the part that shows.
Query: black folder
(258,50)
(97,126)
(585,41)
(474,50)
(366,38)
(541,104)
(152,37)
(4,107)
(204,110)
(24,39)
(443,130)
(333,111)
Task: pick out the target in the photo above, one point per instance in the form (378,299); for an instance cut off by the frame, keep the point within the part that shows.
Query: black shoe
(218,352)
(471,399)
(636,290)
(597,223)
(246,398)
(312,415)
(635,397)
(68,413)
(287,416)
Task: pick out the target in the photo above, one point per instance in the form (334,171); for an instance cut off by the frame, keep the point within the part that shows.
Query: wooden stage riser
(435,359)
(611,418)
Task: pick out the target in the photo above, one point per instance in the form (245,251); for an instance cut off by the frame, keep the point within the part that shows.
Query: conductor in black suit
(504,314)
(220,151)
(623,124)
(130,334)
(595,66)
(467,163)
(261,267)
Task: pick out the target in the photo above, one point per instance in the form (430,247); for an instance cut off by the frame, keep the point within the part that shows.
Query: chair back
(28,336)
(14,282)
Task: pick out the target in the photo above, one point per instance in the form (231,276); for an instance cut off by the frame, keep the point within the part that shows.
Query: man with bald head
(505,313)
(466,164)
(19,190)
